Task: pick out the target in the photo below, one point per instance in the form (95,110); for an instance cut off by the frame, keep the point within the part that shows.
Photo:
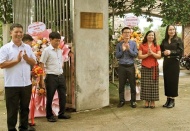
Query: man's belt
(55,75)
(171,57)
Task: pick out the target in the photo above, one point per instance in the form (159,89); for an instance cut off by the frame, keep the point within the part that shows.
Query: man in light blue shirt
(126,52)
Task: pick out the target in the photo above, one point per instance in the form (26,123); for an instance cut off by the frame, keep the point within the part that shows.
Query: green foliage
(118,7)
(138,5)
(112,45)
(160,34)
(146,29)
(6,14)
(6,11)
(171,11)
(175,11)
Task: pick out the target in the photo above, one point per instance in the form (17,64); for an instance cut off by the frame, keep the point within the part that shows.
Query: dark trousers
(54,83)
(17,100)
(124,74)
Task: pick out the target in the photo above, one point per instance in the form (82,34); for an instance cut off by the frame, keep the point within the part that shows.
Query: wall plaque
(91,20)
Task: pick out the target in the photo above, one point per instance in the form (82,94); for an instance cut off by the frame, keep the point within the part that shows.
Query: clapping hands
(25,56)
(22,55)
(125,46)
(150,52)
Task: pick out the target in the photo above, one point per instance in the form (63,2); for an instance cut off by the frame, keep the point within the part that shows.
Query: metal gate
(57,15)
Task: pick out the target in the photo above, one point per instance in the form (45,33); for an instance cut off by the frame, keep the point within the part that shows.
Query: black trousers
(127,72)
(53,83)
(17,100)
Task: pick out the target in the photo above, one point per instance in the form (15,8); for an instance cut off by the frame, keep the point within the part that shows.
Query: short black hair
(15,25)
(125,29)
(54,35)
(27,37)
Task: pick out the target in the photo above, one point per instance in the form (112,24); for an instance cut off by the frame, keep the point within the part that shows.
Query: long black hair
(167,35)
(145,38)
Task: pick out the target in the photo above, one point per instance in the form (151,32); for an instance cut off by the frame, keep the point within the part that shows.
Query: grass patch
(114,94)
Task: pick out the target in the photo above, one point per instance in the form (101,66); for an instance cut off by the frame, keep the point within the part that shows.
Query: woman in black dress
(172,50)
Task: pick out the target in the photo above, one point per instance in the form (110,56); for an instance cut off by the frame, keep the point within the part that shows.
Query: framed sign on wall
(91,20)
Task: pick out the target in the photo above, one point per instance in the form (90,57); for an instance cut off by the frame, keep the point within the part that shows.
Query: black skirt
(171,71)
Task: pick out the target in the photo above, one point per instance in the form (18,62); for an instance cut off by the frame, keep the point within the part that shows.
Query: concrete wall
(6,33)
(91,57)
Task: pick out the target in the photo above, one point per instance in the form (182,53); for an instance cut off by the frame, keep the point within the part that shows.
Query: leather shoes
(51,119)
(171,103)
(64,116)
(133,104)
(121,104)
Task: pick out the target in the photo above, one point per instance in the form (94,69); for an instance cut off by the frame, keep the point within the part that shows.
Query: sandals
(147,103)
(150,104)
(152,107)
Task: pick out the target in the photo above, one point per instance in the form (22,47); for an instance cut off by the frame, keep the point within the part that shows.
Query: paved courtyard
(112,118)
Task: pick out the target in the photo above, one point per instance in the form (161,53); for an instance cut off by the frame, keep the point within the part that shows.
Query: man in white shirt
(16,58)
(52,60)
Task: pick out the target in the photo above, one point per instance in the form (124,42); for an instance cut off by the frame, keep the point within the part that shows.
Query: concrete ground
(112,118)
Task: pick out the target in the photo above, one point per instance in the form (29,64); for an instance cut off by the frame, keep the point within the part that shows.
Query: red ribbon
(154,72)
(32,107)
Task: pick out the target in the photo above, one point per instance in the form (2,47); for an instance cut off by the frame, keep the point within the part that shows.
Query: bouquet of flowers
(37,71)
(138,76)
(38,45)
(37,91)
(137,37)
(41,91)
